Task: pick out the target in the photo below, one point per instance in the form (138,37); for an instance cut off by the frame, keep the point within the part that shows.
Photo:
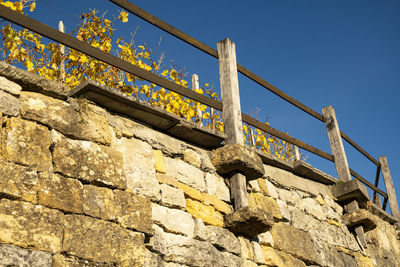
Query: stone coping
(118,102)
(378,211)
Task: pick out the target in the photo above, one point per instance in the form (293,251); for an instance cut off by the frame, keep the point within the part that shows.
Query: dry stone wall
(80,186)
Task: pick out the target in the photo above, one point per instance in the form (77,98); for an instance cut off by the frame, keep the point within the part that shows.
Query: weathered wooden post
(61,28)
(341,164)
(387,178)
(195,85)
(296,153)
(231,112)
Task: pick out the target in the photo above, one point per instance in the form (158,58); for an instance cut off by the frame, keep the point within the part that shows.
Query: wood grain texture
(387,178)
(239,190)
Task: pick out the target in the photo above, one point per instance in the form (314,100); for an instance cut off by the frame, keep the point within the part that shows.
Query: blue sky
(340,53)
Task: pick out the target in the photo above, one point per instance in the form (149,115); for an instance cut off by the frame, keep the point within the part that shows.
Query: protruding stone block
(359,217)
(249,221)
(350,190)
(238,158)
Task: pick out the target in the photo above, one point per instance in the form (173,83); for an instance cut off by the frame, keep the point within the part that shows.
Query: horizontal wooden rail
(362,151)
(364,181)
(207,49)
(283,136)
(53,34)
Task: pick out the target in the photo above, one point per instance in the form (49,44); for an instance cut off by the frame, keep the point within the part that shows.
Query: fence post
(341,164)
(231,113)
(61,28)
(195,85)
(296,153)
(387,178)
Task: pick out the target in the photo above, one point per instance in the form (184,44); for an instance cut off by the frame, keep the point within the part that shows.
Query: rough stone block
(283,207)
(249,221)
(291,240)
(258,253)
(165,179)
(27,143)
(173,220)
(246,248)
(238,158)
(200,231)
(311,206)
(33,226)
(88,161)
(33,82)
(186,173)
(9,104)
(272,257)
(190,192)
(99,202)
(86,124)
(223,239)
(265,239)
(352,189)
(138,164)
(192,157)
(268,204)
(9,86)
(18,182)
(60,260)
(159,162)
(60,193)
(16,256)
(216,186)
(289,260)
(207,213)
(218,204)
(359,217)
(172,197)
(100,241)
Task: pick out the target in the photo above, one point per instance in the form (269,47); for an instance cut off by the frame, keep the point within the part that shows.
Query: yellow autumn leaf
(29,65)
(123,16)
(32,6)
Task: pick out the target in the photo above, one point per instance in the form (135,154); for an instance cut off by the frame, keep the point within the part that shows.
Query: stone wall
(81,186)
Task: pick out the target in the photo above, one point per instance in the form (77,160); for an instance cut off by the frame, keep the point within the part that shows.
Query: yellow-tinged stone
(271,257)
(263,186)
(334,222)
(190,192)
(159,162)
(267,204)
(217,203)
(192,157)
(166,179)
(320,200)
(289,260)
(344,250)
(363,261)
(207,213)
(246,249)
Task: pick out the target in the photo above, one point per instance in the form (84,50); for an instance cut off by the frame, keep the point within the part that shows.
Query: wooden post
(377,200)
(231,113)
(341,164)
(252,142)
(387,178)
(61,28)
(195,85)
(296,153)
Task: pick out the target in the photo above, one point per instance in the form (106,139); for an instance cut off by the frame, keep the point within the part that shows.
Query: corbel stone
(238,158)
(359,217)
(350,190)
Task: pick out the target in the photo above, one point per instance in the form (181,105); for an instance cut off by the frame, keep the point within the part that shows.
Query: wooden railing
(53,34)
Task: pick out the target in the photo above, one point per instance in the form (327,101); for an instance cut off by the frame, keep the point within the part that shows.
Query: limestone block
(200,231)
(60,260)
(153,260)
(18,182)
(88,161)
(363,261)
(271,257)
(100,241)
(16,256)
(207,213)
(192,157)
(246,248)
(267,204)
(253,186)
(289,260)
(218,204)
(172,197)
(159,162)
(320,199)
(173,220)
(223,239)
(258,253)
(231,260)
(312,207)
(33,82)
(33,226)
(187,251)
(249,221)
(27,143)
(165,179)
(190,192)
(9,104)
(139,167)
(9,86)
(60,193)
(291,240)
(86,124)
(359,217)
(284,210)
(186,173)
(248,263)
(216,186)
(99,202)
(265,239)
(238,158)
(352,189)
(290,197)
(263,186)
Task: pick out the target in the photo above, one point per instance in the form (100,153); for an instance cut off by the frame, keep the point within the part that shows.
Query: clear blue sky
(341,53)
